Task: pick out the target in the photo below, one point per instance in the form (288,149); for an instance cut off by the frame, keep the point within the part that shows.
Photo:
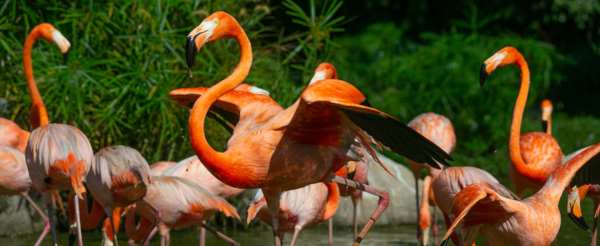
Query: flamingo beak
(351,169)
(483,75)
(318,76)
(63,44)
(574,210)
(545,125)
(490,65)
(193,43)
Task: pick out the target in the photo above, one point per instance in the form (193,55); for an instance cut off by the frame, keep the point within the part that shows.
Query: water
(569,234)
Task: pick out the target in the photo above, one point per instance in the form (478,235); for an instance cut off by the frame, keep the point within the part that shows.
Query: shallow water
(569,234)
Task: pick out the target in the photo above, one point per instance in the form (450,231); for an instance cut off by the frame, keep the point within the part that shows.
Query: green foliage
(405,79)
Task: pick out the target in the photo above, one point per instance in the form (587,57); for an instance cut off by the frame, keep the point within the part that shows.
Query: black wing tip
(483,75)
(445,242)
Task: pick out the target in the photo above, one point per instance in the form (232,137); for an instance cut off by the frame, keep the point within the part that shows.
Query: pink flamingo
(58,156)
(278,150)
(12,135)
(479,209)
(182,204)
(119,179)
(452,180)
(300,208)
(440,131)
(15,181)
(533,156)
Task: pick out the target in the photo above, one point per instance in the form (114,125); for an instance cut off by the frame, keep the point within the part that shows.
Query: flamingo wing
(326,104)
(478,204)
(228,106)
(589,173)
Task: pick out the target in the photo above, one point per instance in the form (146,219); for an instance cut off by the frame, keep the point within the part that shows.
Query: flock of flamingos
(298,157)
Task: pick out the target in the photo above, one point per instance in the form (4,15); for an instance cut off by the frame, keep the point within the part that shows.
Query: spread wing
(328,104)
(228,106)
(475,205)
(588,174)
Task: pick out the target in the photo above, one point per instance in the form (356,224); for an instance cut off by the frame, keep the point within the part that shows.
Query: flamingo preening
(479,209)
(278,150)
(182,204)
(440,131)
(58,156)
(299,208)
(533,156)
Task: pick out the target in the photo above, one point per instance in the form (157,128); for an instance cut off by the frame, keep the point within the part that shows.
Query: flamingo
(300,208)
(440,131)
(14,180)
(160,167)
(119,179)
(58,156)
(547,116)
(12,135)
(533,156)
(452,180)
(278,150)
(360,168)
(478,209)
(182,204)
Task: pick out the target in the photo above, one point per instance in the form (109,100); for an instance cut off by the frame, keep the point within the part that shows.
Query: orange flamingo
(300,208)
(278,150)
(58,156)
(533,156)
(119,179)
(12,135)
(182,204)
(440,131)
(360,168)
(452,180)
(479,209)
(547,116)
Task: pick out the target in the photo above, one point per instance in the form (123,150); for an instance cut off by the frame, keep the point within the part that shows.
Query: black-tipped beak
(579,221)
(190,50)
(483,75)
(351,175)
(545,125)
(66,56)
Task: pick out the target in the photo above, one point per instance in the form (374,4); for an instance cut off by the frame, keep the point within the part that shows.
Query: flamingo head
(574,207)
(504,57)
(52,35)
(213,27)
(324,71)
(546,113)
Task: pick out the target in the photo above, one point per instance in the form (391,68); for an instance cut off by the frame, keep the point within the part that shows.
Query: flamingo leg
(150,235)
(296,232)
(272,198)
(220,235)
(435,226)
(112,223)
(354,204)
(50,217)
(417,206)
(163,240)
(330,231)
(79,239)
(384,201)
(202,234)
(46,221)
(157,216)
(595,226)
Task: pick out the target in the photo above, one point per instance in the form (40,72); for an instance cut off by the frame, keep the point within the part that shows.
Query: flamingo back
(58,151)
(160,167)
(12,135)
(454,179)
(15,178)
(120,176)
(192,169)
(181,202)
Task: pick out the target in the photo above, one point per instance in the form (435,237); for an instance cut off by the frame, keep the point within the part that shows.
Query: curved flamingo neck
(40,117)
(515,128)
(211,158)
(333,202)
(136,232)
